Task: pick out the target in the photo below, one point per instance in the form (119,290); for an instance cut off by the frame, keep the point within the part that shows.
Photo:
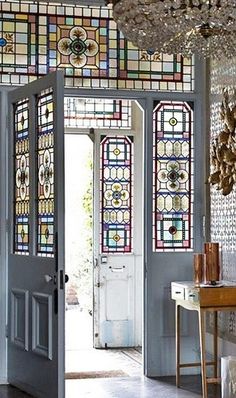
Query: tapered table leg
(177,335)
(201,317)
(215,344)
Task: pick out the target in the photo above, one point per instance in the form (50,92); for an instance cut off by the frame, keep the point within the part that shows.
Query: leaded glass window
(173,176)
(116,177)
(45,152)
(36,39)
(97,113)
(21,165)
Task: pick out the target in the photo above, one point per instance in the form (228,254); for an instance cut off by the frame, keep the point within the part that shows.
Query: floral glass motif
(97,112)
(45,148)
(116,194)
(21,217)
(173,178)
(36,39)
(77,47)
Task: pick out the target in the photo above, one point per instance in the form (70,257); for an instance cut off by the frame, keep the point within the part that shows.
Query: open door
(118,260)
(36,238)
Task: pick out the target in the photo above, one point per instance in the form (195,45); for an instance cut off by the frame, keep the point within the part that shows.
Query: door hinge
(7,225)
(6,331)
(145,270)
(204,226)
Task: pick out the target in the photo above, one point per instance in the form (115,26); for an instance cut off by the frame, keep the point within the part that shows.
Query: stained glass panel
(116,194)
(173,176)
(45,149)
(99,113)
(36,39)
(21,218)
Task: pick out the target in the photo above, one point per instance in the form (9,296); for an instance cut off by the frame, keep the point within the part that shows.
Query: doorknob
(48,278)
(66,278)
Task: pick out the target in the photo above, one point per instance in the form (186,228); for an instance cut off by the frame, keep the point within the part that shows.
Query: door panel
(116,309)
(36,238)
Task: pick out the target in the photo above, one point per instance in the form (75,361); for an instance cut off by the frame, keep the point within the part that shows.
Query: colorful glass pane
(173,178)
(116,194)
(45,149)
(36,39)
(21,217)
(99,113)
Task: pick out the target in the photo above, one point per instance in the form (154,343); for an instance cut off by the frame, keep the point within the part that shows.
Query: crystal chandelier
(203,27)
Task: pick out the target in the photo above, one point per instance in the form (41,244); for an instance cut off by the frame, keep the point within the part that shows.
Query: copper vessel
(198,267)
(212,266)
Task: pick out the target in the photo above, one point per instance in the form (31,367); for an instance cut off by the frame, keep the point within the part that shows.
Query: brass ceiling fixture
(203,27)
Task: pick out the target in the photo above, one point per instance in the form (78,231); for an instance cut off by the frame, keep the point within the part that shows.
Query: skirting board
(3,380)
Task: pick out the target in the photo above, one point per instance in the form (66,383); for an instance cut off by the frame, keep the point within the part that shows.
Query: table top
(191,284)
(221,296)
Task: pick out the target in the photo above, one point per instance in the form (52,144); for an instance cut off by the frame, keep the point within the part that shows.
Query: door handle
(66,278)
(117,269)
(48,278)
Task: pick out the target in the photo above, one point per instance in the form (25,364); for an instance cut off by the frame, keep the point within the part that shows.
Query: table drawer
(218,296)
(177,292)
(192,295)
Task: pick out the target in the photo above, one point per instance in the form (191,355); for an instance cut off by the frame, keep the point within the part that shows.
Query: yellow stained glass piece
(173,121)
(116,151)
(116,238)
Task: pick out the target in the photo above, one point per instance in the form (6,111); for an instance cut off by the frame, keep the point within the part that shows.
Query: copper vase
(212,266)
(198,267)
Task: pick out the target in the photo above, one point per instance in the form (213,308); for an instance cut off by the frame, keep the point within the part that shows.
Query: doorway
(78,242)
(103,143)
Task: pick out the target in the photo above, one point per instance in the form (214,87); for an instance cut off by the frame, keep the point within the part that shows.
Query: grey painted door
(174,209)
(36,238)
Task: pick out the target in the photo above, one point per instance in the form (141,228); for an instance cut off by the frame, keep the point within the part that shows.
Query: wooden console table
(202,299)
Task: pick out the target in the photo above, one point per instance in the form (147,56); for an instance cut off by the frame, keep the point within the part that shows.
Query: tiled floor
(12,392)
(128,387)
(82,358)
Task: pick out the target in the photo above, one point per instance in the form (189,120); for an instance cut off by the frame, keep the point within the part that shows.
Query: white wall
(223,208)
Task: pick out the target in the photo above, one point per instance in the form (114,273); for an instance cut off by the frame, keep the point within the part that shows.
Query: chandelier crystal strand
(202,27)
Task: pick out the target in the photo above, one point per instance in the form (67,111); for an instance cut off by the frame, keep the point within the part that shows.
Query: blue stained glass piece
(3,42)
(150,51)
(94,22)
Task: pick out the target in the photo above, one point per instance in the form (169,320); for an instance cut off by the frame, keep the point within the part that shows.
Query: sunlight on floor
(81,357)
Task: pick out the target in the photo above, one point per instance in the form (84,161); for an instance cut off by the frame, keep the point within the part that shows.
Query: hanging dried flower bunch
(223,148)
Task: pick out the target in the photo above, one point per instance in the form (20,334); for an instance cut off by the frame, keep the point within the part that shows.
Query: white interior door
(36,238)
(118,224)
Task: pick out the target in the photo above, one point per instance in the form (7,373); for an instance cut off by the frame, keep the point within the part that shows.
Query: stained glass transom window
(36,39)
(21,217)
(45,149)
(173,176)
(99,113)
(116,194)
